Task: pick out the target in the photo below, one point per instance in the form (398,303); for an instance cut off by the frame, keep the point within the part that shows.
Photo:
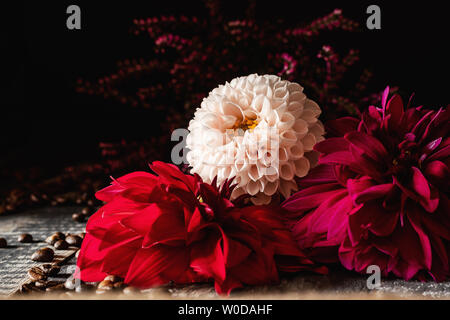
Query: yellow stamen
(246,124)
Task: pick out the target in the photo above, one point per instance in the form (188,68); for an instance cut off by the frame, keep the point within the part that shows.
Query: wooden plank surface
(15,260)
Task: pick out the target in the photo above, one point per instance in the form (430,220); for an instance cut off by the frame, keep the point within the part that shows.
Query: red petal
(395,109)
(369,145)
(157,265)
(414,218)
(420,183)
(207,258)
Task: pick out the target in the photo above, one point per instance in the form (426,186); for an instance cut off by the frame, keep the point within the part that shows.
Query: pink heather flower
(380,194)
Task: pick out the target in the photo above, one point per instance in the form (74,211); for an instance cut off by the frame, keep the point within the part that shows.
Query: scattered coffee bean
(50,269)
(60,235)
(90,203)
(118,285)
(55,237)
(113,278)
(130,290)
(42,284)
(26,288)
(43,255)
(74,240)
(61,245)
(70,283)
(25,238)
(52,239)
(78,217)
(105,285)
(86,211)
(3,243)
(36,274)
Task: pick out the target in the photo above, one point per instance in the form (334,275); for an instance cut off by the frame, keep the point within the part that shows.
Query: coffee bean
(41,284)
(86,211)
(78,217)
(130,290)
(61,245)
(26,288)
(60,235)
(70,283)
(36,274)
(90,203)
(50,270)
(52,239)
(113,278)
(43,255)
(118,285)
(74,240)
(25,238)
(3,243)
(105,285)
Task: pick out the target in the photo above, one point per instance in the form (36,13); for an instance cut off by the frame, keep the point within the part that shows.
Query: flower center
(246,124)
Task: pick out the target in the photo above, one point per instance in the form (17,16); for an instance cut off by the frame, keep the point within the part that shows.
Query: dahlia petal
(420,183)
(337,227)
(227,286)
(395,109)
(90,260)
(170,173)
(437,171)
(368,144)
(384,98)
(414,218)
(373,192)
(139,180)
(371,217)
(207,258)
(236,253)
(166,228)
(118,258)
(440,154)
(149,266)
(357,186)
(324,211)
(340,157)
(310,197)
(141,221)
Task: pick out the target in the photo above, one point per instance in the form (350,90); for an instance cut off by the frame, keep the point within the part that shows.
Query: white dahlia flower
(260,130)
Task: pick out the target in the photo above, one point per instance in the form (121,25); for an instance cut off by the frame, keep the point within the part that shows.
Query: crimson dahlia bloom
(380,195)
(173,227)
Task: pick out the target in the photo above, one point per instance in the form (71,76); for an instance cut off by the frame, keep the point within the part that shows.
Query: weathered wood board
(15,259)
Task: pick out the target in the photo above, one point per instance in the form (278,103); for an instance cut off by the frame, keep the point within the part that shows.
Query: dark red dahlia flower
(175,228)
(380,195)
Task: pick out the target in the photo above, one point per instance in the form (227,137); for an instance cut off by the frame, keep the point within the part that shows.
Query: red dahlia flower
(380,195)
(175,228)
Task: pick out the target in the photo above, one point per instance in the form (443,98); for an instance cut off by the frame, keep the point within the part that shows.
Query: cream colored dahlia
(260,130)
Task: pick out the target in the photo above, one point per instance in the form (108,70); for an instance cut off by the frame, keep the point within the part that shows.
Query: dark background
(43,122)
